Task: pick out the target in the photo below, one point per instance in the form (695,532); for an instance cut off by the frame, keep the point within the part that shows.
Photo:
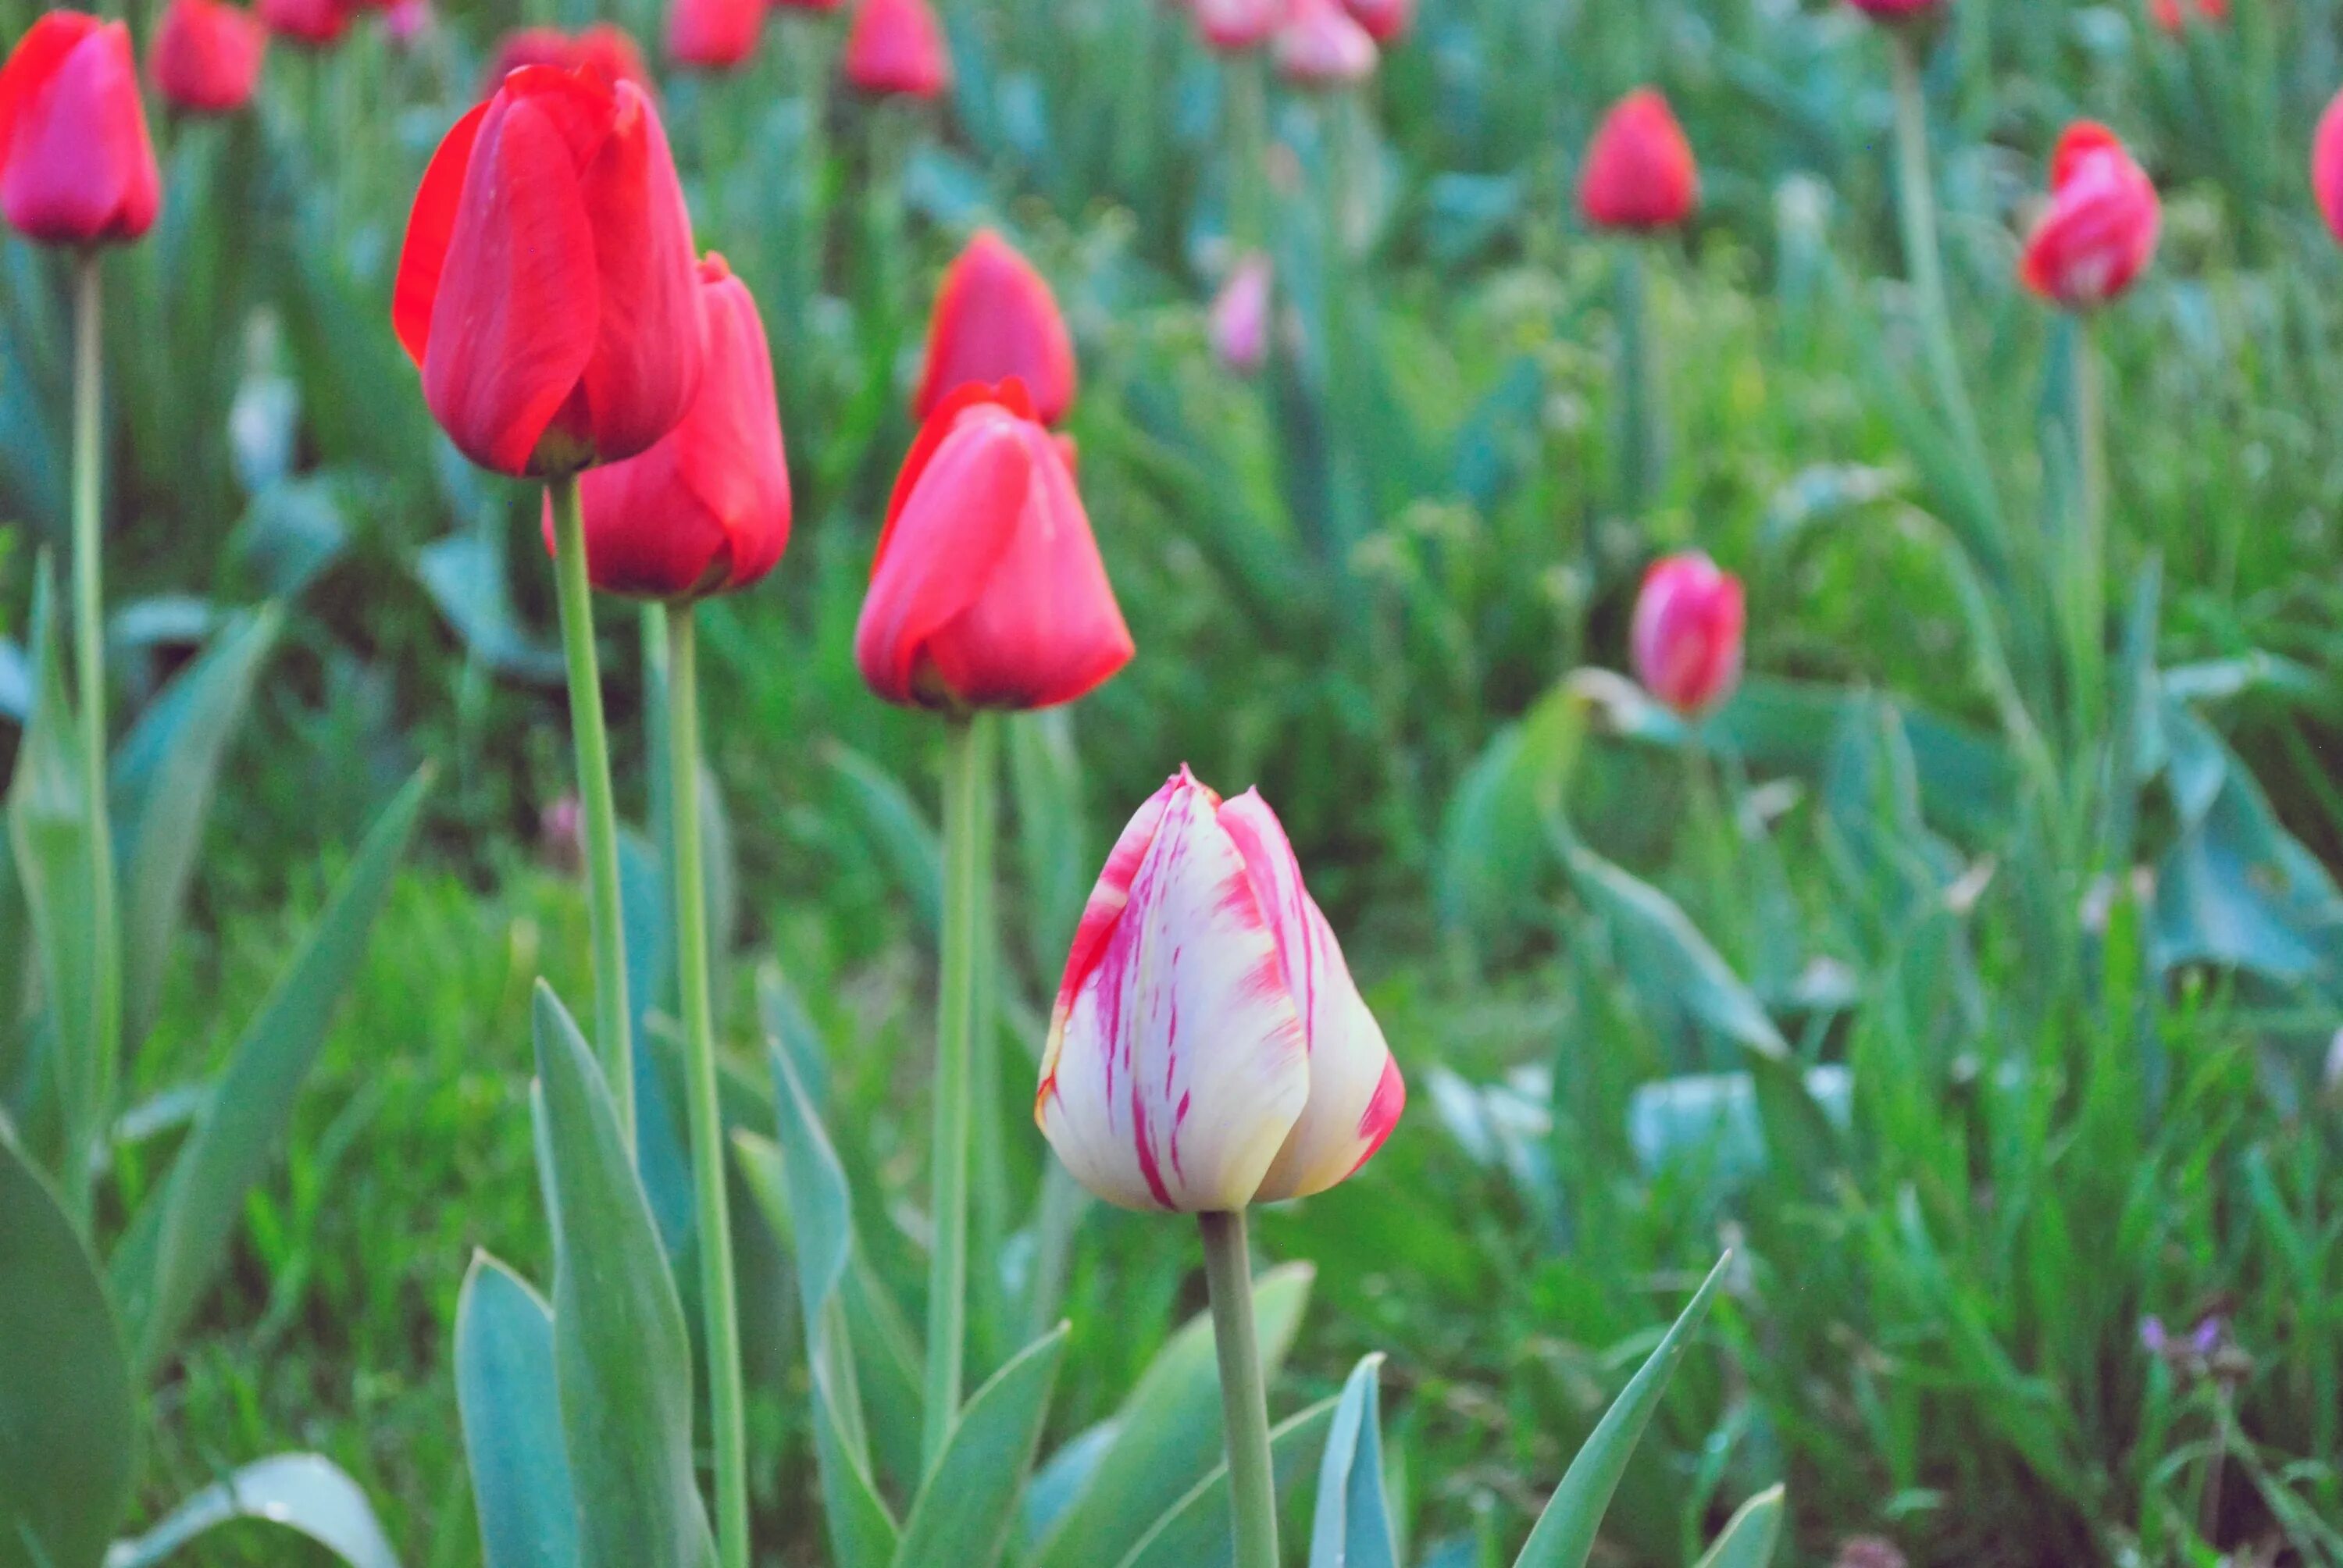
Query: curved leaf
(506,1392)
(1195,1532)
(1749,1537)
(302,1492)
(1352,1528)
(966,1506)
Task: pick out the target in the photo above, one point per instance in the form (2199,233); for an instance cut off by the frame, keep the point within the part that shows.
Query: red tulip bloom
(2101,225)
(75,164)
(546,289)
(1686,639)
(601,48)
(206,57)
(2172,16)
(316,23)
(1386,21)
(988,590)
(713,35)
(1639,172)
(897,47)
(995,317)
(707,511)
(2326,165)
(1319,46)
(1234,24)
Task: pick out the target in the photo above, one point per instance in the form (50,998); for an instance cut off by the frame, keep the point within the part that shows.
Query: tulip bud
(1639,173)
(1688,633)
(1319,46)
(1230,25)
(2171,17)
(1897,10)
(314,22)
(546,289)
(1209,1048)
(995,317)
(75,164)
(604,48)
(987,590)
(1240,319)
(2100,229)
(408,22)
(897,47)
(2326,165)
(713,35)
(706,510)
(1386,21)
(206,57)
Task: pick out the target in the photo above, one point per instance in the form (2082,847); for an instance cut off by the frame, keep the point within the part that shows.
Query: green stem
(2086,569)
(89,667)
(714,1218)
(1248,138)
(1923,261)
(613,1028)
(1245,1399)
(1642,453)
(968,759)
(987,1146)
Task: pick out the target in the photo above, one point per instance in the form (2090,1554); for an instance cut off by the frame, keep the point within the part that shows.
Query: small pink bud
(1686,639)
(1240,319)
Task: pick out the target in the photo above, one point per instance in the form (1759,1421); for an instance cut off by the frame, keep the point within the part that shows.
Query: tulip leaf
(306,1492)
(464,575)
(1352,1528)
(1750,1536)
(622,1358)
(661,1154)
(898,829)
(1195,1532)
(1565,1530)
(1167,1435)
(506,1392)
(1488,863)
(969,1502)
(162,1267)
(68,1416)
(162,779)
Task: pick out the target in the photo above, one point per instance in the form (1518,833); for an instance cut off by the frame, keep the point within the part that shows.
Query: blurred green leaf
(305,1493)
(896,828)
(1195,1532)
(1352,1528)
(464,575)
(1749,1537)
(968,1501)
(506,1392)
(1489,863)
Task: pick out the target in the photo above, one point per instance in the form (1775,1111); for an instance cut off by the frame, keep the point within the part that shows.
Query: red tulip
(1319,46)
(75,164)
(546,289)
(988,590)
(706,510)
(995,317)
(1386,21)
(611,50)
(1239,327)
(713,35)
(2326,165)
(316,23)
(2101,225)
(1686,638)
(206,57)
(897,47)
(601,48)
(1234,24)
(1639,172)
(407,22)
(2171,18)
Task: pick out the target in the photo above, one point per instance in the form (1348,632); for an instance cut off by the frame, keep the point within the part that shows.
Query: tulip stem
(613,1028)
(967,759)
(2086,571)
(718,1301)
(1248,141)
(1245,1399)
(89,669)
(1642,444)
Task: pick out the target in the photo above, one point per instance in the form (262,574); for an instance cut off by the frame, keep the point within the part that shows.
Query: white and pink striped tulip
(1209,1048)
(1687,634)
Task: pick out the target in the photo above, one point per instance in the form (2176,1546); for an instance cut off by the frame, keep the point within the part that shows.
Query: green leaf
(1489,839)
(1196,1531)
(621,1356)
(1167,1435)
(163,776)
(896,828)
(1565,1532)
(68,1418)
(1352,1528)
(302,1492)
(1045,773)
(162,1269)
(965,1509)
(1750,1536)
(506,1392)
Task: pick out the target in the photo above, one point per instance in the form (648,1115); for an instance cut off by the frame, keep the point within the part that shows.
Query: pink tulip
(2327,166)
(1240,319)
(1209,1048)
(1386,21)
(1639,174)
(713,35)
(1230,25)
(2101,226)
(1687,635)
(995,317)
(897,47)
(1319,46)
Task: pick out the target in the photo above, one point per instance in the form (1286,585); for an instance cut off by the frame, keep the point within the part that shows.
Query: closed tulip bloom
(706,510)
(1639,173)
(2101,226)
(1687,635)
(2171,17)
(547,289)
(1209,1048)
(1386,21)
(603,48)
(1319,46)
(713,35)
(316,23)
(1234,24)
(987,590)
(995,317)
(75,164)
(206,57)
(1240,319)
(408,22)
(897,47)
(2326,165)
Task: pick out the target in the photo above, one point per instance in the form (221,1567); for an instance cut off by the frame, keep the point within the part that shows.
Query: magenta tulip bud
(1689,620)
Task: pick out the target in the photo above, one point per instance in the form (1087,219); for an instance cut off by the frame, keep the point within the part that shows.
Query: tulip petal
(647,363)
(79,166)
(1103,911)
(430,225)
(33,62)
(995,317)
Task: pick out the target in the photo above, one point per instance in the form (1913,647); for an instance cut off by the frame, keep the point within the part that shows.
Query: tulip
(897,47)
(2171,18)
(713,35)
(1386,21)
(996,318)
(2326,165)
(546,289)
(1639,172)
(1688,633)
(987,590)
(1896,10)
(1234,24)
(602,47)
(1239,327)
(611,50)
(2101,225)
(1319,46)
(316,23)
(75,164)
(1209,1048)
(706,510)
(408,22)
(206,57)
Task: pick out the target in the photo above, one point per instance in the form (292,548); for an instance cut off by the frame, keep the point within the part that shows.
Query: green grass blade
(505,1390)
(966,1508)
(1750,1536)
(1352,1528)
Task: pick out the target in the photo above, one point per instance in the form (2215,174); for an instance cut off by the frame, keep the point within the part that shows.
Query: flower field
(1166,783)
